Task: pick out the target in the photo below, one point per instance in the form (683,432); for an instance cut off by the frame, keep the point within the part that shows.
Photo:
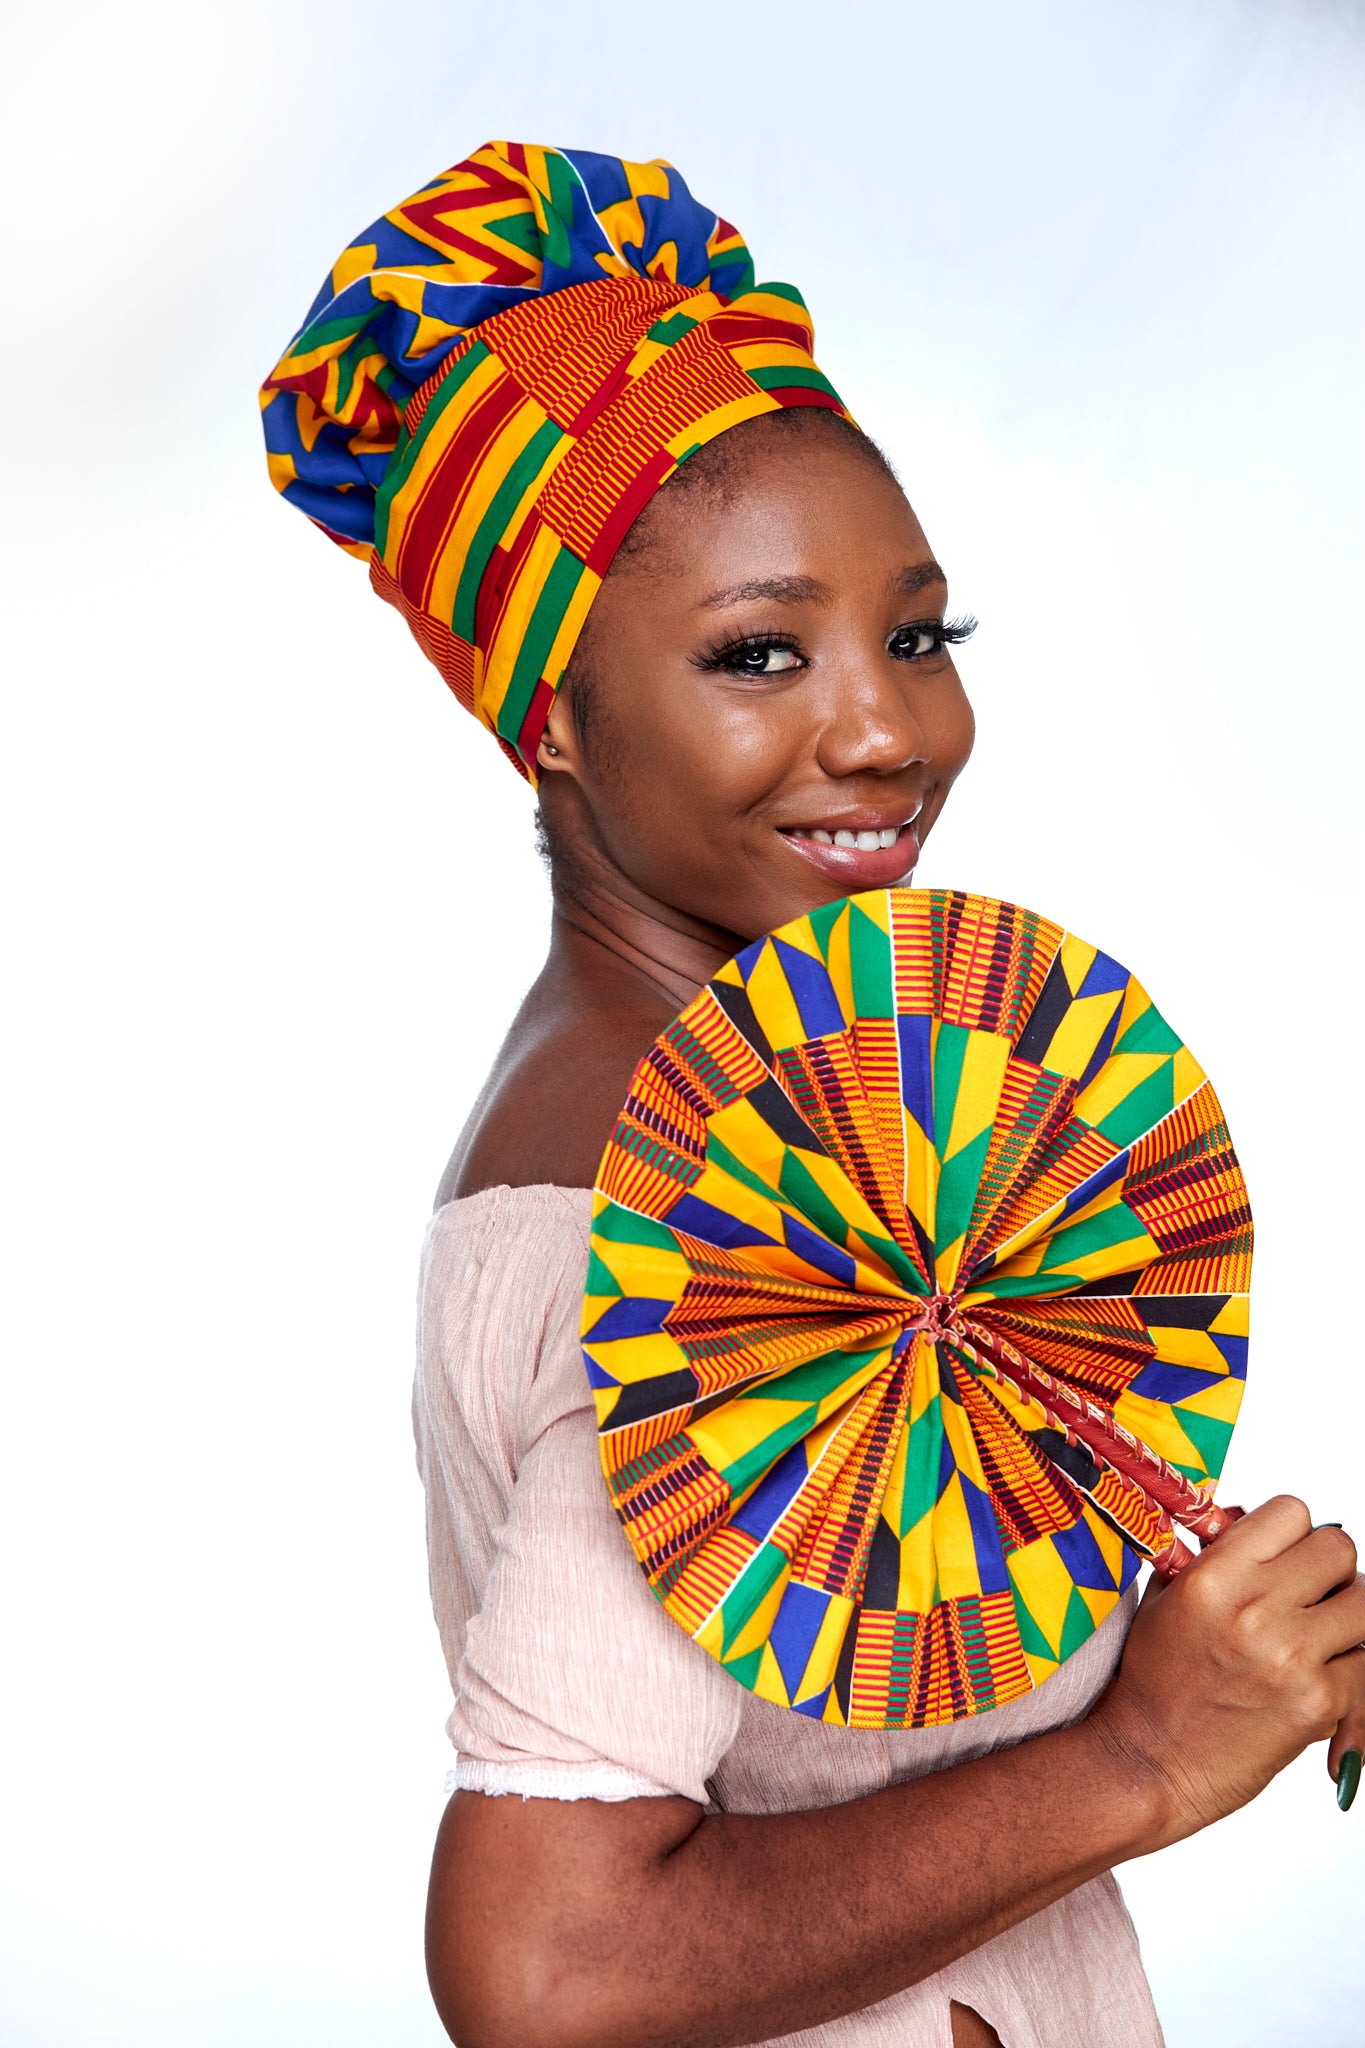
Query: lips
(877,850)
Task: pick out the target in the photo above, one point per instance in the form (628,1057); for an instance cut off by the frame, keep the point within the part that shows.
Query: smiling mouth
(859,855)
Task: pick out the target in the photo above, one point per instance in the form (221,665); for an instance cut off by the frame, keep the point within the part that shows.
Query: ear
(558,750)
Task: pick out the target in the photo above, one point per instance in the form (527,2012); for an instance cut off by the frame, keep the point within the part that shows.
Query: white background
(1093,273)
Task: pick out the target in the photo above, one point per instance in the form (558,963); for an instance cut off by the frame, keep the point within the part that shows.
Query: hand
(1236,1665)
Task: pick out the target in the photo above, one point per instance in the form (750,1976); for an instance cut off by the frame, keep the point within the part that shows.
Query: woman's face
(773,718)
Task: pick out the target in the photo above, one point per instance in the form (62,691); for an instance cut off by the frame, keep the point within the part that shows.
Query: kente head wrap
(497,376)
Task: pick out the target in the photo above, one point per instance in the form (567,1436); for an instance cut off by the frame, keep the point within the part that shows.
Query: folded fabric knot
(496,377)
(937,1319)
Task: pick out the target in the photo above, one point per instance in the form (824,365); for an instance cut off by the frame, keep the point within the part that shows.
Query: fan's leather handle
(1166,1488)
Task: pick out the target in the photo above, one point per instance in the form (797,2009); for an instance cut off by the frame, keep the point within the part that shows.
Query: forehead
(812,505)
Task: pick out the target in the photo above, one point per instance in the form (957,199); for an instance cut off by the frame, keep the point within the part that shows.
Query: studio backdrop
(1091,275)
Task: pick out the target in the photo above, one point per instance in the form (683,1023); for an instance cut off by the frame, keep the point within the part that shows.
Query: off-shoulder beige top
(571,1682)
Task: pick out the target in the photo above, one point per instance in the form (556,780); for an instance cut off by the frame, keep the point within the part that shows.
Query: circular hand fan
(916,1313)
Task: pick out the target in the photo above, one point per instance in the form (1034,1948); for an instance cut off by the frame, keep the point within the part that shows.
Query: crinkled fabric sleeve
(570,1681)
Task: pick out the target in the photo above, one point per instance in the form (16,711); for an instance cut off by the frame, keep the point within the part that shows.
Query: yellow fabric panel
(1116,1081)
(978,1091)
(1234,1318)
(720,421)
(1073,1044)
(1045,1584)
(769,991)
(1077,958)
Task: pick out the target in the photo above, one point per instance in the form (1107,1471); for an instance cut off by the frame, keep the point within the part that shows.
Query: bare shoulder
(552,1099)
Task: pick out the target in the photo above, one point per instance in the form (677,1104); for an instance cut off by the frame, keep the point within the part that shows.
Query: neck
(623,945)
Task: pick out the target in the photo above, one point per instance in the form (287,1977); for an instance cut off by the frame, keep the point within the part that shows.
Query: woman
(626,515)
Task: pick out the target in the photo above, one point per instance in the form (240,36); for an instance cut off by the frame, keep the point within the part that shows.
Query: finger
(1264,1533)
(1316,1566)
(1336,1625)
(1349,1739)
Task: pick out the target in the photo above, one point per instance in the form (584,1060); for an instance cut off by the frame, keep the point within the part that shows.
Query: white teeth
(860,842)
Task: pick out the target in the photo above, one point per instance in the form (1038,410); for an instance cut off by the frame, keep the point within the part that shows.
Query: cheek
(746,747)
(698,758)
(650,799)
(952,731)
(673,803)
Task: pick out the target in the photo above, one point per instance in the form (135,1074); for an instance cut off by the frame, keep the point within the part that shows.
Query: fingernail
(1348,1778)
(1326,1525)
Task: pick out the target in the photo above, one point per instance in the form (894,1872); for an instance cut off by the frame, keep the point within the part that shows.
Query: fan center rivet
(939,1315)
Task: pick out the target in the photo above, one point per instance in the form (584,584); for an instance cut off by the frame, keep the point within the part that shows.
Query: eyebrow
(809,590)
(918,576)
(777,589)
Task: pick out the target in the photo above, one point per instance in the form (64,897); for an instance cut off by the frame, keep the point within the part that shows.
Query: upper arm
(533,1903)
(564,1664)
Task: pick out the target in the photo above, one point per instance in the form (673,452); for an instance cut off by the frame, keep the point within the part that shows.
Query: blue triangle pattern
(773,1495)
(813,1246)
(1234,1349)
(990,1557)
(1104,977)
(1161,1381)
(633,1315)
(915,1036)
(712,1225)
(1083,1558)
(809,982)
(813,1708)
(795,1627)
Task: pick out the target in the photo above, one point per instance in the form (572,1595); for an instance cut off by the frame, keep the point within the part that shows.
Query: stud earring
(550,748)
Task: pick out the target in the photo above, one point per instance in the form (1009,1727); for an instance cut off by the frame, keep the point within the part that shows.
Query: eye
(757,656)
(763,661)
(911,643)
(927,637)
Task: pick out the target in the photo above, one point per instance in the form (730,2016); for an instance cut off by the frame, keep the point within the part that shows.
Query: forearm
(858,1901)
(678,1931)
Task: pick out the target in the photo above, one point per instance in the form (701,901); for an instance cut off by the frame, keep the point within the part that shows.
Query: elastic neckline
(503,1189)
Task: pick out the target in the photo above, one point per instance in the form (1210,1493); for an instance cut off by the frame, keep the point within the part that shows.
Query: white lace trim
(552,1780)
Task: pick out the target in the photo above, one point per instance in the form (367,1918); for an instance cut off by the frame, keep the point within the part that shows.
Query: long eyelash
(716,656)
(955,631)
(946,632)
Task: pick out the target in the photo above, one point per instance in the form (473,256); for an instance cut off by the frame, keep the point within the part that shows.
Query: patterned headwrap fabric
(496,377)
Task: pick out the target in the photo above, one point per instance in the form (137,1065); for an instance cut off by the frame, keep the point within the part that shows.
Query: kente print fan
(917,1306)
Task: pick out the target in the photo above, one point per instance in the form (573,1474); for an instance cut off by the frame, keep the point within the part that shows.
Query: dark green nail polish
(1348,1778)
(1325,1525)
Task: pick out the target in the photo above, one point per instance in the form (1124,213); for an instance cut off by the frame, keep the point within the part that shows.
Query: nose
(872,728)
